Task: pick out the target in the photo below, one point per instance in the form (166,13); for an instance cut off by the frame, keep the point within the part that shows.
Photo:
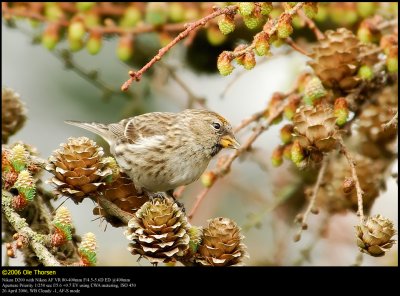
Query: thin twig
(192,98)
(253,118)
(306,252)
(234,80)
(359,191)
(246,193)
(311,204)
(296,47)
(20,225)
(179,191)
(140,29)
(136,76)
(392,121)
(31,14)
(114,210)
(310,23)
(198,200)
(66,57)
(270,28)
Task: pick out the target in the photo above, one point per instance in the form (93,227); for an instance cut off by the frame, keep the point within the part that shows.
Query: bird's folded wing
(148,125)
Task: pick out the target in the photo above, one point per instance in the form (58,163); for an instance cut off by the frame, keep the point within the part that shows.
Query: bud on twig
(226,24)
(276,157)
(208,179)
(341,111)
(87,249)
(224,64)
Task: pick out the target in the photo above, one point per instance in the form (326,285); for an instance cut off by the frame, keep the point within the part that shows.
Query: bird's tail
(94,127)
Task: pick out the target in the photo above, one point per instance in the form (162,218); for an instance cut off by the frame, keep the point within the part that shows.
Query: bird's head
(211,130)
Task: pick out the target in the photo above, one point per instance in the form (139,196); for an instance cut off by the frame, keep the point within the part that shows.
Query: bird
(161,151)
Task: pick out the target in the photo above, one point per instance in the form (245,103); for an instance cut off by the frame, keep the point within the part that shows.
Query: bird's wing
(147,125)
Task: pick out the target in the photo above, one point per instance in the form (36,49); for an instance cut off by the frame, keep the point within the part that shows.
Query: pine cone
(78,168)
(335,59)
(87,249)
(123,194)
(374,236)
(315,128)
(221,244)
(370,124)
(337,197)
(13,114)
(62,224)
(159,231)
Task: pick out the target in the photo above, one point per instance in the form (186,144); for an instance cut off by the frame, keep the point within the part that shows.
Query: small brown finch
(161,151)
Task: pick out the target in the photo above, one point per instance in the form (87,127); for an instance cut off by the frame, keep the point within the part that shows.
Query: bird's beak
(229,141)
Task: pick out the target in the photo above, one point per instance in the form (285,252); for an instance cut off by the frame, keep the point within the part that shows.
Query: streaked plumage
(160,151)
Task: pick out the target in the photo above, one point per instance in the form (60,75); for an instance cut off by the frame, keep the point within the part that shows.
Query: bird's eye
(216,125)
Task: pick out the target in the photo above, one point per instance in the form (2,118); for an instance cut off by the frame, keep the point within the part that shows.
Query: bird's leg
(171,193)
(153,195)
(179,204)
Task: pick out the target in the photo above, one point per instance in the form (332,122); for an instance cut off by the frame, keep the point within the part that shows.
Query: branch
(109,10)
(179,191)
(136,76)
(296,47)
(313,27)
(360,192)
(270,28)
(90,76)
(8,12)
(108,206)
(310,207)
(245,122)
(115,211)
(306,252)
(140,29)
(192,98)
(20,225)
(198,201)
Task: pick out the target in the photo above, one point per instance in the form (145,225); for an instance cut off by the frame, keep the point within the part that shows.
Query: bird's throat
(215,149)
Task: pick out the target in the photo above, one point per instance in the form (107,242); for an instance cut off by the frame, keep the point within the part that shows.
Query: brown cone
(338,193)
(315,128)
(78,168)
(159,231)
(123,194)
(336,59)
(13,113)
(370,121)
(221,244)
(374,236)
